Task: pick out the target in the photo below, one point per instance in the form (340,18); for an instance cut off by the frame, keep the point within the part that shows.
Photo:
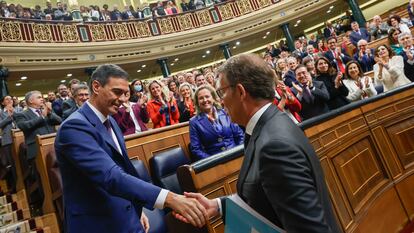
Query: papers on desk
(241,218)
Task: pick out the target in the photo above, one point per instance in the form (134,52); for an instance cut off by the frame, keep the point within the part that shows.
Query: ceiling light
(234,47)
(267,33)
(69,75)
(329,11)
(176,59)
(264,37)
(331,7)
(298,21)
(18,84)
(295,25)
(143,66)
(172,64)
(62,81)
(203,56)
(238,43)
(23,78)
(208,52)
(138,71)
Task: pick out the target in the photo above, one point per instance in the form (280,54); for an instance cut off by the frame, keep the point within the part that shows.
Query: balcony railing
(40,31)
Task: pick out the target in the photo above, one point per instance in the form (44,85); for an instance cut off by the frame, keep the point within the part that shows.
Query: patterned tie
(307,95)
(39,112)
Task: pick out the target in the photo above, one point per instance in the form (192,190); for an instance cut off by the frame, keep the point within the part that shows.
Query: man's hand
(189,208)
(144,222)
(210,205)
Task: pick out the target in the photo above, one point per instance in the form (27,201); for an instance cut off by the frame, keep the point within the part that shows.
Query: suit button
(220,139)
(223,148)
(128,208)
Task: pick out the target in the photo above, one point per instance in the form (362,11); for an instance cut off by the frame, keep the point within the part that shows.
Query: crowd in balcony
(95,13)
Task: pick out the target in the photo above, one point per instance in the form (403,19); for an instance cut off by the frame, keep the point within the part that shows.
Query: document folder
(241,218)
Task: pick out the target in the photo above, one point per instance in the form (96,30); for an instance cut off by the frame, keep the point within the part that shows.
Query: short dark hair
(331,69)
(361,73)
(252,72)
(396,17)
(104,72)
(390,51)
(301,66)
(332,38)
(198,75)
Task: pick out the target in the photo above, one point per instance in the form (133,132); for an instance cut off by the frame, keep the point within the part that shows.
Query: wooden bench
(18,140)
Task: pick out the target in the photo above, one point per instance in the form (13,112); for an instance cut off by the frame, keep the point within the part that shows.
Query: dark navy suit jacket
(101,189)
(355,36)
(207,140)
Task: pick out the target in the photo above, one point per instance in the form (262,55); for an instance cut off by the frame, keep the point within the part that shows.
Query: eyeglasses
(220,92)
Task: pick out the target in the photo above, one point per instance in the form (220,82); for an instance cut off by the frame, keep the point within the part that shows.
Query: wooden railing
(19,30)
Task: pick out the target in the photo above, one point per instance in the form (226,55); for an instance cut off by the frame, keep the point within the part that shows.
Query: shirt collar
(34,110)
(255,118)
(101,117)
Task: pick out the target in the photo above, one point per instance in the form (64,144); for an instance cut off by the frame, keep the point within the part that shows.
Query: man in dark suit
(102,191)
(80,96)
(358,34)
(37,119)
(336,56)
(281,177)
(329,30)
(57,104)
(406,40)
(365,56)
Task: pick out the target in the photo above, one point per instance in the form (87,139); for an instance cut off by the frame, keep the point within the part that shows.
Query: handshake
(193,208)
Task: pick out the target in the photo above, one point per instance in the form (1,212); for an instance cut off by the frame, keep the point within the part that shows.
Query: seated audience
(329,30)
(365,56)
(200,80)
(394,21)
(310,65)
(286,101)
(132,117)
(393,40)
(359,86)
(80,96)
(57,104)
(406,40)
(137,90)
(312,95)
(378,28)
(172,86)
(358,34)
(210,78)
(186,105)
(333,82)
(410,9)
(211,130)
(162,108)
(289,77)
(389,70)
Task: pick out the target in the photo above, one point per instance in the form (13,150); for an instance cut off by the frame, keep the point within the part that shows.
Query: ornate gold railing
(39,31)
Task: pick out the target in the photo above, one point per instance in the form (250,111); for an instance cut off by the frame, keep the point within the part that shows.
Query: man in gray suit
(281,177)
(37,119)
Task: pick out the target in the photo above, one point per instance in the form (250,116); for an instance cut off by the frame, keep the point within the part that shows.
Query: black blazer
(32,125)
(320,103)
(281,177)
(408,68)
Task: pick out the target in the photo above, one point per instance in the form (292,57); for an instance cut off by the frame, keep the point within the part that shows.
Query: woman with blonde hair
(186,104)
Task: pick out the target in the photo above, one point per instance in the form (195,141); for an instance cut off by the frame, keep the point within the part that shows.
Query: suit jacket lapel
(205,122)
(250,150)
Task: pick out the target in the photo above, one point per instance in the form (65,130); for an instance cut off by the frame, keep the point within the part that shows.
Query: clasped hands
(193,208)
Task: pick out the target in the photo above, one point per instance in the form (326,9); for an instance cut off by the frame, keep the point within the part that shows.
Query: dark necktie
(39,112)
(107,125)
(307,95)
(246,140)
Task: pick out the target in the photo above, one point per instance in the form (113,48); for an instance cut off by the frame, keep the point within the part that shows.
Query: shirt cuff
(159,203)
(220,210)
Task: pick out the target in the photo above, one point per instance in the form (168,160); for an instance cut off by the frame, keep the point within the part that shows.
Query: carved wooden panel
(359,171)
(401,136)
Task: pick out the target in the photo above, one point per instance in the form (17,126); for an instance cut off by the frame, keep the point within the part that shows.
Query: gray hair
(361,41)
(403,34)
(29,95)
(78,88)
(104,72)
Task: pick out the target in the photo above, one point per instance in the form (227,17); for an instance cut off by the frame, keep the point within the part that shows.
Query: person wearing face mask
(137,90)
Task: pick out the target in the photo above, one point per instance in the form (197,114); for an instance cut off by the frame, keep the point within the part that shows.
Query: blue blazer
(102,191)
(355,37)
(207,140)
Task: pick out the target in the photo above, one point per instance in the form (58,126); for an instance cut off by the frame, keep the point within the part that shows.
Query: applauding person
(162,108)
(359,86)
(186,105)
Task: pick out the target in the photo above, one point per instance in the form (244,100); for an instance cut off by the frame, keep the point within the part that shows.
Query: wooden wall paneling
(360,171)
(385,215)
(338,197)
(406,193)
(18,139)
(401,135)
(138,151)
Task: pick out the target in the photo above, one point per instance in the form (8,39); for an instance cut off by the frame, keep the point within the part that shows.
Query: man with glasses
(281,177)
(365,56)
(102,191)
(80,96)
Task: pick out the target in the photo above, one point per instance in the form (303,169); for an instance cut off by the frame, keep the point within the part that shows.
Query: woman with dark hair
(359,86)
(186,104)
(393,40)
(137,90)
(389,69)
(333,82)
(211,130)
(173,87)
(6,125)
(395,22)
(162,107)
